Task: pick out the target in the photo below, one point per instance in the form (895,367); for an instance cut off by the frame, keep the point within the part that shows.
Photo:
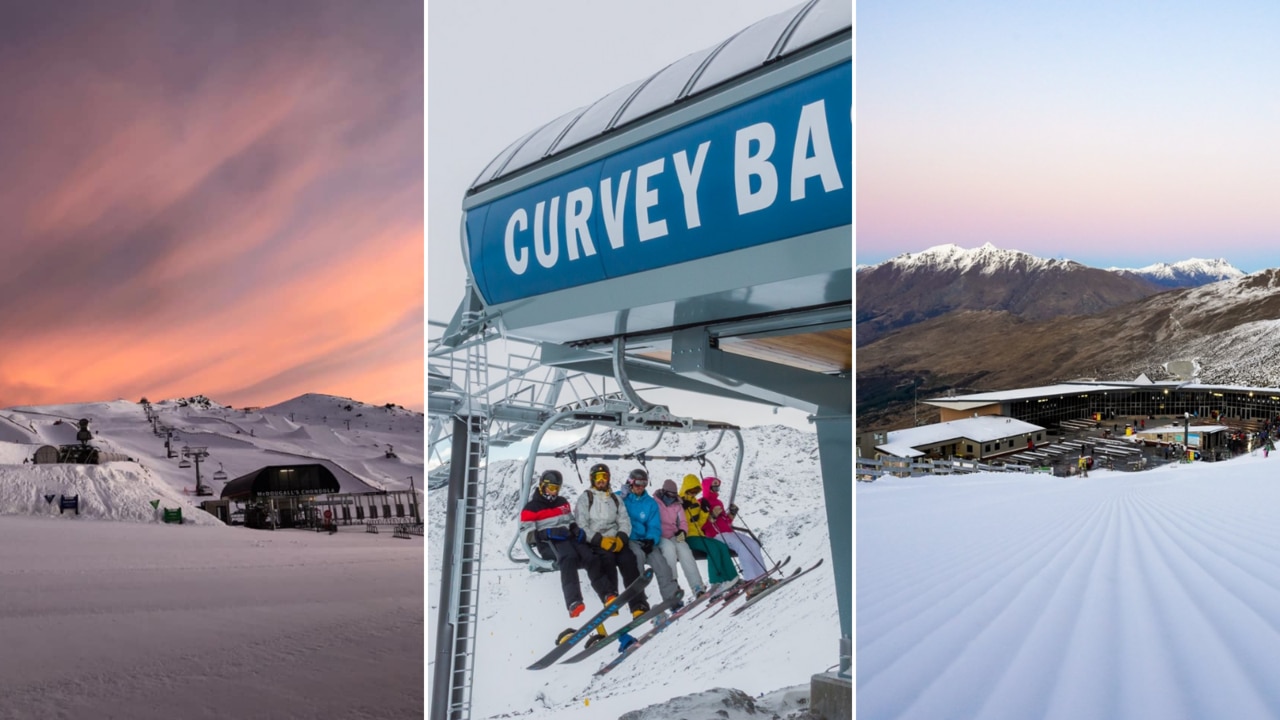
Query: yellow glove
(611,544)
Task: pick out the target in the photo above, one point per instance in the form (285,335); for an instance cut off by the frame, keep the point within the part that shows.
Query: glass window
(664,88)
(746,51)
(826,18)
(540,143)
(494,165)
(596,119)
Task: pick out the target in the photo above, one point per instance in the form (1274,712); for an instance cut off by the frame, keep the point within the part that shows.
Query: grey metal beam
(835,454)
(648,373)
(811,320)
(459,328)
(693,357)
(447,627)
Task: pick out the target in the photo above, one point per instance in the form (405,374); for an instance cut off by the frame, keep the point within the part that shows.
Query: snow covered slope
(778,644)
(1153,594)
(351,438)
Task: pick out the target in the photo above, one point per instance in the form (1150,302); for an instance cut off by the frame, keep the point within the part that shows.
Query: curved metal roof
(283,480)
(762,43)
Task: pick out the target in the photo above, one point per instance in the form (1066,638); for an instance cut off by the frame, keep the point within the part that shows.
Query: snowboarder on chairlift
(608,530)
(549,520)
(646,532)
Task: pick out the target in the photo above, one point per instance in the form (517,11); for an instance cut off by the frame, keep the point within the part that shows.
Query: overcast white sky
(498,70)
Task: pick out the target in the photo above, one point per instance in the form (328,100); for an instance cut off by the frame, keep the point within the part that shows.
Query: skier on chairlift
(607,528)
(719,526)
(646,533)
(721,572)
(549,519)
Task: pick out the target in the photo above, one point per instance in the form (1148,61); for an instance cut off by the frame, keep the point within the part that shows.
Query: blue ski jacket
(646,519)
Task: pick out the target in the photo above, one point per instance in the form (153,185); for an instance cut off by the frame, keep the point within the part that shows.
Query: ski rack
(618,413)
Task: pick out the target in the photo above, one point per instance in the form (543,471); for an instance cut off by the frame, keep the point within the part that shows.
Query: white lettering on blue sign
(775,166)
(752,147)
(752,150)
(689,177)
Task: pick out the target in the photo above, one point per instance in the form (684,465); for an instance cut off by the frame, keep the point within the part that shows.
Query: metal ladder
(464,603)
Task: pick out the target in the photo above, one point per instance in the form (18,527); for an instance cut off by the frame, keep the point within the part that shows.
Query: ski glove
(611,544)
(556,533)
(646,546)
(733,509)
(576,534)
(597,540)
(623,537)
(679,536)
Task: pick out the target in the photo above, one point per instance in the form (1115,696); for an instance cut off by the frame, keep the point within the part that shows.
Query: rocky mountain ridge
(1229,326)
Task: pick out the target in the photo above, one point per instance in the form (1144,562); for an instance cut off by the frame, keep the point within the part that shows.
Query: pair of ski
(625,649)
(775,587)
(629,649)
(633,590)
(722,599)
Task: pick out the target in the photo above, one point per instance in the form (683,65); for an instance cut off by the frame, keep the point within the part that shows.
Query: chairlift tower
(195,454)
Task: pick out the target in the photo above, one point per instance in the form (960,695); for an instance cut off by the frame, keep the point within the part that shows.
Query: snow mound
(730,704)
(115,491)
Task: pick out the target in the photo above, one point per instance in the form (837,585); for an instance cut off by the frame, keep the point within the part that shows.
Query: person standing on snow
(720,569)
(675,530)
(646,532)
(719,526)
(550,518)
(608,528)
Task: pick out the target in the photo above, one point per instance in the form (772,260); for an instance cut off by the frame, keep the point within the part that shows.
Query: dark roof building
(282,481)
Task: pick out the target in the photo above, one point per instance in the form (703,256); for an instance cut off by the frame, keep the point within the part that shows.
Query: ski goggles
(550,488)
(599,475)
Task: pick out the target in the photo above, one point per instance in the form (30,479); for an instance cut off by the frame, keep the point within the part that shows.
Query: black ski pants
(570,557)
(624,563)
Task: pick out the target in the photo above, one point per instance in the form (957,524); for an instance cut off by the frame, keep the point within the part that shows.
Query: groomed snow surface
(112,614)
(1120,595)
(130,620)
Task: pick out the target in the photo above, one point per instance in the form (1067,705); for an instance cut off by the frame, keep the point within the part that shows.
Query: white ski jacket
(603,513)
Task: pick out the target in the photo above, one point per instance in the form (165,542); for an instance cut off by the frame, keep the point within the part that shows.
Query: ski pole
(757,539)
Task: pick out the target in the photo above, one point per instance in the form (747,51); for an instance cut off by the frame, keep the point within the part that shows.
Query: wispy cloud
(211,197)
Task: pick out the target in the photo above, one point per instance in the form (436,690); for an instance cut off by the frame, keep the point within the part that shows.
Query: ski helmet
(599,470)
(639,475)
(549,478)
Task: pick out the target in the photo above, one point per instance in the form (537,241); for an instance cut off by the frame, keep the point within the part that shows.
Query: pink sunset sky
(211,197)
(1104,133)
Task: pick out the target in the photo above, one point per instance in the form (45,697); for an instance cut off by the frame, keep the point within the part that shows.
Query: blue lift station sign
(774,167)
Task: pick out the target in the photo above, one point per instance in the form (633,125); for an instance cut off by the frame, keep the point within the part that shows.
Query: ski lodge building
(979,438)
(1210,411)
(298,495)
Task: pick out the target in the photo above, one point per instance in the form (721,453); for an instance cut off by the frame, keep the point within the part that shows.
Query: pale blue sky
(1110,133)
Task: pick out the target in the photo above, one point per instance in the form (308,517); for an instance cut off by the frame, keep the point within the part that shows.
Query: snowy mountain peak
(987,259)
(1186,273)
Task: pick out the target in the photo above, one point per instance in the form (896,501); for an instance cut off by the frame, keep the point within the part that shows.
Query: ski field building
(1136,407)
(975,438)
